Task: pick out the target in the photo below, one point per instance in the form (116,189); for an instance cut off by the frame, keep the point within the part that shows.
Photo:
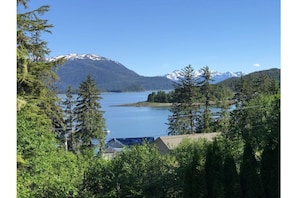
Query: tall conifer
(206,124)
(270,172)
(184,110)
(68,134)
(90,123)
(194,181)
(41,165)
(251,186)
(230,178)
(214,170)
(36,75)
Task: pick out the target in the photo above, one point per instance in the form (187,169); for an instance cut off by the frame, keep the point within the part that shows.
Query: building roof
(121,142)
(116,145)
(166,143)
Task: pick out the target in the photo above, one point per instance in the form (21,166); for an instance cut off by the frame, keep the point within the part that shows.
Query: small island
(144,104)
(160,104)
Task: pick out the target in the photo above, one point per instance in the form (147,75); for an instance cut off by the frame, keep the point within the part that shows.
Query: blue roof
(134,141)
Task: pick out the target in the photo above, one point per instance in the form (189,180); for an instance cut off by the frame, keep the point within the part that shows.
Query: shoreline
(156,104)
(144,104)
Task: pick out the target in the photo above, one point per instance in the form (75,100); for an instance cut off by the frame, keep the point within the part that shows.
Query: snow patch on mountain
(216,76)
(79,56)
(174,76)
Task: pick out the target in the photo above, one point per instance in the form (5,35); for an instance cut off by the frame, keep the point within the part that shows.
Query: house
(167,143)
(115,145)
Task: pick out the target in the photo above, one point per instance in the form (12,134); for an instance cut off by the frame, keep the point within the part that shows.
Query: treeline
(189,117)
(56,157)
(161,97)
(271,74)
(217,93)
(222,90)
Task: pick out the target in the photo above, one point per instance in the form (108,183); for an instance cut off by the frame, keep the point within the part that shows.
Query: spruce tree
(230,178)
(206,124)
(35,75)
(194,181)
(68,135)
(270,171)
(90,123)
(184,110)
(223,122)
(214,170)
(251,186)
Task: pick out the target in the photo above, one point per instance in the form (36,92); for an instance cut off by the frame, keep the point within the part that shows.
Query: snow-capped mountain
(112,75)
(79,56)
(109,75)
(216,76)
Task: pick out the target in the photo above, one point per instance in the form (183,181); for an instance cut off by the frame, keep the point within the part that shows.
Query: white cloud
(257,65)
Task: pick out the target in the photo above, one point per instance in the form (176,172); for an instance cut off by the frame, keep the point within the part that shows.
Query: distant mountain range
(112,76)
(215,75)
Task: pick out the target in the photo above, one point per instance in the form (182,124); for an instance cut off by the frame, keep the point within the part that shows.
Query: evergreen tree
(89,119)
(251,186)
(243,91)
(214,170)
(161,97)
(151,97)
(256,117)
(43,169)
(35,75)
(205,89)
(184,110)
(261,84)
(270,171)
(274,86)
(257,122)
(231,178)
(194,182)
(223,122)
(190,168)
(68,135)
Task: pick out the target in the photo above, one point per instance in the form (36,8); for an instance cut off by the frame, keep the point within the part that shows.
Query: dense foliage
(161,97)
(242,162)
(43,169)
(217,93)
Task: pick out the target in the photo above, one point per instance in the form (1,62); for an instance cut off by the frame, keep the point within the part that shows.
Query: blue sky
(158,36)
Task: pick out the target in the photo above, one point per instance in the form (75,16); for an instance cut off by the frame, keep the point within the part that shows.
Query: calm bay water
(123,122)
(132,121)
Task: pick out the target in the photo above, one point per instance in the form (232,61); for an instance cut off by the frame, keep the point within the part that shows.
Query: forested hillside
(108,75)
(271,74)
(224,90)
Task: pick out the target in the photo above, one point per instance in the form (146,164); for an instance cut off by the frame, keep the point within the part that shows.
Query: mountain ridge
(112,76)
(216,75)
(109,75)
